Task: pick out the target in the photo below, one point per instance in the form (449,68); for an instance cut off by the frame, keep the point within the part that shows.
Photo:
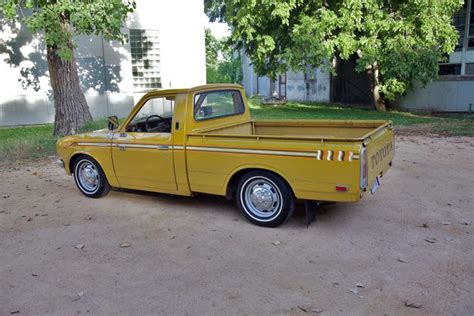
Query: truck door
(142,151)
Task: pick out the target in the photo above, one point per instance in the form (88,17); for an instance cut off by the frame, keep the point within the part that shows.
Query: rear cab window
(215,104)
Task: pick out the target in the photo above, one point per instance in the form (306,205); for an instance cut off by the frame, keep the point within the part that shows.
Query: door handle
(162,147)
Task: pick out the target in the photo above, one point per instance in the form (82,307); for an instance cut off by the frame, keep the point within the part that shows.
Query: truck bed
(301,129)
(312,156)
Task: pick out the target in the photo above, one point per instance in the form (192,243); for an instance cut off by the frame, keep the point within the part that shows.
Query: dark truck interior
(151,124)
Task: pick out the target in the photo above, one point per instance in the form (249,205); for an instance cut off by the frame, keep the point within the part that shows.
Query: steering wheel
(147,128)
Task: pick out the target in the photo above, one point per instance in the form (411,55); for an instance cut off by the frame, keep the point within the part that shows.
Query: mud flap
(310,209)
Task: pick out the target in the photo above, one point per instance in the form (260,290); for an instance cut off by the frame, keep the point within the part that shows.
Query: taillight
(364,168)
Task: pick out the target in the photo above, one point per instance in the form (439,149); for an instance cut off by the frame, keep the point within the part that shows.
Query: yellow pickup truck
(203,140)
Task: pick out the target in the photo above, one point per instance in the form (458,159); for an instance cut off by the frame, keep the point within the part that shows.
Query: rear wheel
(264,198)
(90,178)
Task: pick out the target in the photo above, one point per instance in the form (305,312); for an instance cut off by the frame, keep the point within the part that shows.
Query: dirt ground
(200,256)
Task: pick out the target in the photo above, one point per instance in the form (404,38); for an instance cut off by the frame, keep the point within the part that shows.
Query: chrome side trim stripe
(319,154)
(254,151)
(137,146)
(94,144)
(161,147)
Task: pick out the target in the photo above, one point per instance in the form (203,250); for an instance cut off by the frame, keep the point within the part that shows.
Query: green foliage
(62,20)
(405,40)
(223,64)
(212,49)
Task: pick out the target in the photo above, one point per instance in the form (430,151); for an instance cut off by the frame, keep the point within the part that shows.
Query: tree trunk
(71,110)
(377,100)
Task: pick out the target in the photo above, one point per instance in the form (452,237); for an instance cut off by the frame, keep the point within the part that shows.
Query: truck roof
(198,88)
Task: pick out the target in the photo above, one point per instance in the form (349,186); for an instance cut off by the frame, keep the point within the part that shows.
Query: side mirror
(113,122)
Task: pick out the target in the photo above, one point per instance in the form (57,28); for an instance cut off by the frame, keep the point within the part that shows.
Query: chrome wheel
(87,176)
(261,198)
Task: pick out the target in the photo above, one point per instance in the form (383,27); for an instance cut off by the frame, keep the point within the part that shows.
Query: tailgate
(380,150)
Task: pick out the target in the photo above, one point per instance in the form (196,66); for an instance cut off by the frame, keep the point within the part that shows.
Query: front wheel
(90,178)
(264,198)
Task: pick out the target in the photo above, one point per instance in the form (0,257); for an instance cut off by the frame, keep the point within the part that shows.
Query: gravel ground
(140,253)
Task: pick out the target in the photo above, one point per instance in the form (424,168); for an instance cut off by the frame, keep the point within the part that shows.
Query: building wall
(312,85)
(105,68)
(445,95)
(454,90)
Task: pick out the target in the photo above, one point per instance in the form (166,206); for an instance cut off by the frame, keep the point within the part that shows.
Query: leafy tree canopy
(404,40)
(223,63)
(60,20)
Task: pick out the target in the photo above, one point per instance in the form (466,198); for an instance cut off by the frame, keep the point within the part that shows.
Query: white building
(166,49)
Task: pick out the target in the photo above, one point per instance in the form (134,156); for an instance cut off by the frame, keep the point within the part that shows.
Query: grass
(323,111)
(458,126)
(30,142)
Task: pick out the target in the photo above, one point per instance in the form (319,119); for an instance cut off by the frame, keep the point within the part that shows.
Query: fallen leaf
(80,246)
(14,312)
(6,196)
(402,260)
(412,304)
(125,245)
(465,223)
(317,310)
(276,243)
(445,223)
(361,285)
(431,240)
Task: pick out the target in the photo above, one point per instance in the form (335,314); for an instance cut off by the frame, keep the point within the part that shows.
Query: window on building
(459,21)
(449,69)
(470,40)
(469,69)
(145,51)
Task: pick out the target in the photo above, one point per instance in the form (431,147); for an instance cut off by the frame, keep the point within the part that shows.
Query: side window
(215,104)
(155,116)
